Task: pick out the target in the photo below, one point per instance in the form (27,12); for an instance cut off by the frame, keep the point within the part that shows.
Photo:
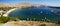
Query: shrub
(43,25)
(58,22)
(6,19)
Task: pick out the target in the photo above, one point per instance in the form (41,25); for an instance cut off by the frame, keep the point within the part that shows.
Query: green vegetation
(43,25)
(6,19)
(58,22)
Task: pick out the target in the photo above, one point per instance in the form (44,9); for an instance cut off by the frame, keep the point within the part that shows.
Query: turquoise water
(37,13)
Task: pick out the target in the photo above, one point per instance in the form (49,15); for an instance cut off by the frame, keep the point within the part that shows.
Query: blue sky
(44,2)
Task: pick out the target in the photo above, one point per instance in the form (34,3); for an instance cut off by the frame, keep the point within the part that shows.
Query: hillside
(17,5)
(28,23)
(6,6)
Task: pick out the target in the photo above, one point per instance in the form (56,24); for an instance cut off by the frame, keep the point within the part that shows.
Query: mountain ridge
(17,5)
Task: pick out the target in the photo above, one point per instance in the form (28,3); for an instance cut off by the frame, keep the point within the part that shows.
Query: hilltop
(17,5)
(6,6)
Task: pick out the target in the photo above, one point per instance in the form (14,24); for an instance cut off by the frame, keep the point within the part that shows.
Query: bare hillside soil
(28,23)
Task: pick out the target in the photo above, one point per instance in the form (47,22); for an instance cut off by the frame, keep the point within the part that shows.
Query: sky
(44,2)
